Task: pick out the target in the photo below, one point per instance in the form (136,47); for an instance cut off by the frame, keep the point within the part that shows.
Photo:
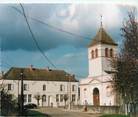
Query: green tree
(8,104)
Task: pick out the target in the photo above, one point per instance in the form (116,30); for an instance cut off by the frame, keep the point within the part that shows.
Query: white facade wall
(97,66)
(106,96)
(36,87)
(98,78)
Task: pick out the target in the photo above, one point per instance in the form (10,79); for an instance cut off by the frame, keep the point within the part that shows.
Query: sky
(67,51)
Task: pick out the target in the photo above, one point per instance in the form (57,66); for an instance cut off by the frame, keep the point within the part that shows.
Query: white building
(97,88)
(50,85)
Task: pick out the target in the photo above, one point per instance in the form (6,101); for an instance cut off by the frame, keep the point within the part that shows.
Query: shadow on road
(35,113)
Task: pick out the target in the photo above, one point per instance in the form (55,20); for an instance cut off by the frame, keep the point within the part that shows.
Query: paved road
(58,112)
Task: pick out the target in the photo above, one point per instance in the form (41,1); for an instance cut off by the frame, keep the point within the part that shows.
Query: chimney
(48,69)
(2,73)
(31,67)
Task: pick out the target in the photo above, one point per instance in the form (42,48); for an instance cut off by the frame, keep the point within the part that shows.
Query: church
(97,88)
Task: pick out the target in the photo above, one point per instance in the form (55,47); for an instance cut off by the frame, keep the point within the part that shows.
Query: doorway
(96,97)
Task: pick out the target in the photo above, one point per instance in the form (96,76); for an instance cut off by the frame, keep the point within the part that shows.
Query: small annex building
(51,85)
(97,88)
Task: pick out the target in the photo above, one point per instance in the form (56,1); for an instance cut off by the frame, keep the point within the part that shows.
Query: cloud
(82,19)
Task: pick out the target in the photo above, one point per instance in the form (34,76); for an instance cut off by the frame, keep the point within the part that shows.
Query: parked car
(30,106)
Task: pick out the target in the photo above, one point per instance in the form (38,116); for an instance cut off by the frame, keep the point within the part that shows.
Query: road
(58,112)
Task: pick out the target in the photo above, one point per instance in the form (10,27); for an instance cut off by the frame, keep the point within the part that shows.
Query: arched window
(44,87)
(96,52)
(106,52)
(44,98)
(92,54)
(111,52)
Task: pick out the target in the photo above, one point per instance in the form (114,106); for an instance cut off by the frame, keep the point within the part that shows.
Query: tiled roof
(38,74)
(102,38)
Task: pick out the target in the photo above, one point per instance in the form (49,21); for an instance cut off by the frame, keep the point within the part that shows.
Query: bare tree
(65,99)
(38,98)
(126,64)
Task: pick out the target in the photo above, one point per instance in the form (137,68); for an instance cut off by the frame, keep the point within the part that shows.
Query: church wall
(107,97)
(95,65)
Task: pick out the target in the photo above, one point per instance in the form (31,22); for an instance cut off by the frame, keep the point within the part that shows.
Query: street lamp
(22,94)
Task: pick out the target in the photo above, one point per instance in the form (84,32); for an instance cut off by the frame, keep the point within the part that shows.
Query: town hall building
(97,88)
(49,85)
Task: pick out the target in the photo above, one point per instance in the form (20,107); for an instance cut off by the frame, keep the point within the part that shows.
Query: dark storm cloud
(15,35)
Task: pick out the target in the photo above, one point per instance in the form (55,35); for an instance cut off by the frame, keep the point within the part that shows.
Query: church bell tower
(100,51)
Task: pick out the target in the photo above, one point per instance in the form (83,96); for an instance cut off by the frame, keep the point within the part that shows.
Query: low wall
(98,109)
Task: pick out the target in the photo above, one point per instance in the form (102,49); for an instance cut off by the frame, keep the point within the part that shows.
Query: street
(58,112)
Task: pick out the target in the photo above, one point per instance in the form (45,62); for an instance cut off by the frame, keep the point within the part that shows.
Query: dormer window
(106,52)
(96,52)
(92,54)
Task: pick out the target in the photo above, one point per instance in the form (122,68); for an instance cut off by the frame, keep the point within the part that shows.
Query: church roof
(38,74)
(102,38)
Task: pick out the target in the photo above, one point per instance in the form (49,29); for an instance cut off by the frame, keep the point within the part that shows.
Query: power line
(33,36)
(54,27)
(34,39)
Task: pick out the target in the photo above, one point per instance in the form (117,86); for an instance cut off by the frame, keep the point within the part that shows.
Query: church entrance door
(96,99)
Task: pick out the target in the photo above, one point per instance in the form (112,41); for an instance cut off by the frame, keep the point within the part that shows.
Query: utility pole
(0,102)
(22,94)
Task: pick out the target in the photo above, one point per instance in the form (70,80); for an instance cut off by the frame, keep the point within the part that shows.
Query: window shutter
(27,86)
(12,87)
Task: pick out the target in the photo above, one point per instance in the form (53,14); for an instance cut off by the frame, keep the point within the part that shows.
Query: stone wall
(98,109)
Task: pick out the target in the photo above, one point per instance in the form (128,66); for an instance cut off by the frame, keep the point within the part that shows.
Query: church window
(92,54)
(111,52)
(85,89)
(106,52)
(96,53)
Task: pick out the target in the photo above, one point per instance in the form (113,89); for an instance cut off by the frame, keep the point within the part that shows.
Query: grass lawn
(35,113)
(113,115)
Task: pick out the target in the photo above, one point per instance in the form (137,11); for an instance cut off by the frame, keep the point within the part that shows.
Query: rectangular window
(29,98)
(57,98)
(61,98)
(25,87)
(62,87)
(73,98)
(25,98)
(44,87)
(73,88)
(9,86)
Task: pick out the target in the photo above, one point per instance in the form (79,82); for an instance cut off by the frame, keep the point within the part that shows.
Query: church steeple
(101,21)
(100,50)
(102,38)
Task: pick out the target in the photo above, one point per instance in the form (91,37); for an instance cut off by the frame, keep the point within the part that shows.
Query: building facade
(50,86)
(97,88)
